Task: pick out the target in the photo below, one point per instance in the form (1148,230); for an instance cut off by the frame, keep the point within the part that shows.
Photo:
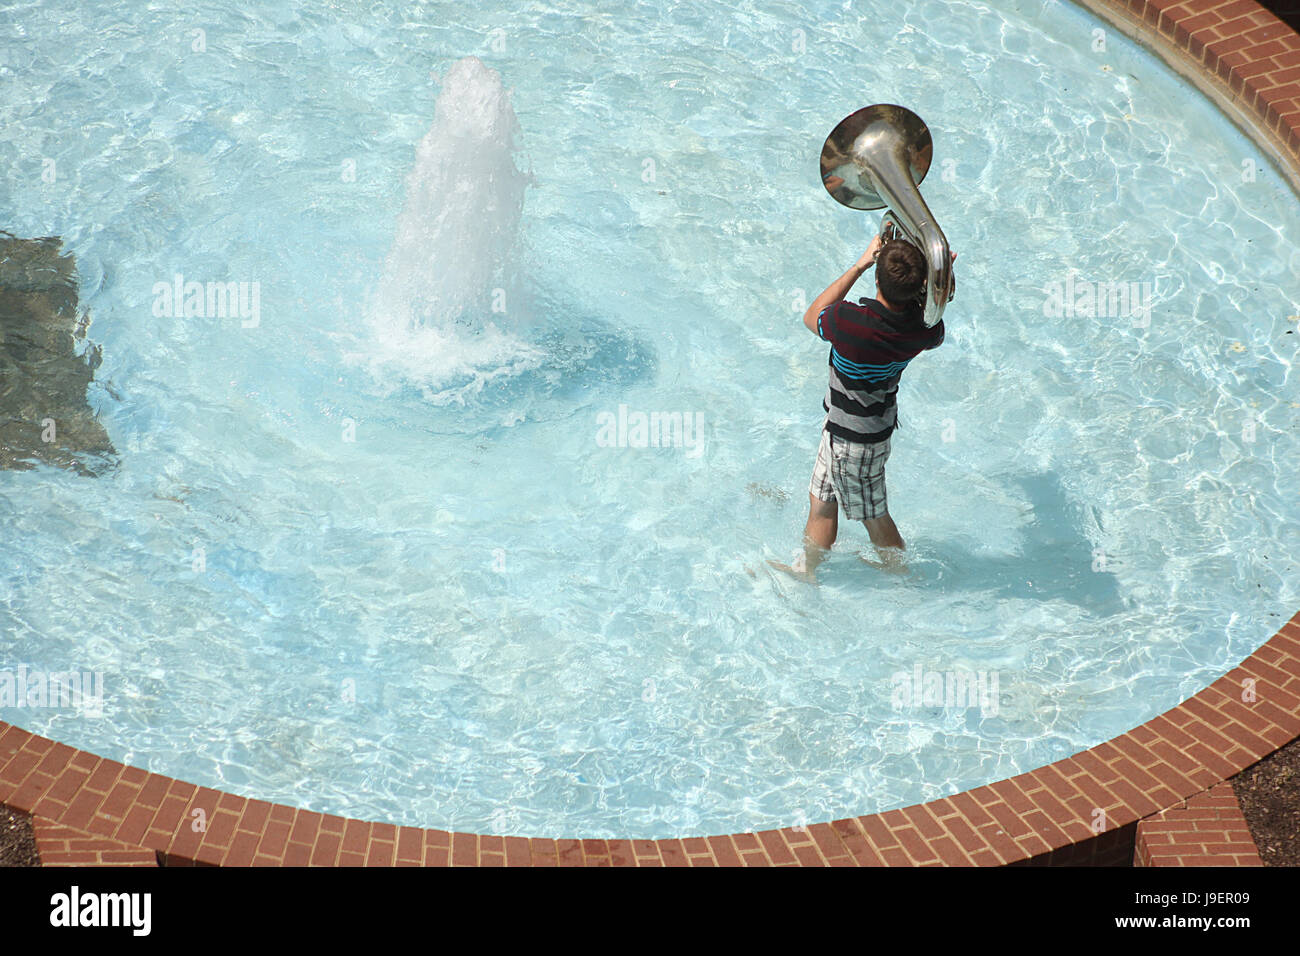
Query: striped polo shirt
(870,347)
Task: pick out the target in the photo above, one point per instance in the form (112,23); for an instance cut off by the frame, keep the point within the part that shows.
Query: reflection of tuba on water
(877,157)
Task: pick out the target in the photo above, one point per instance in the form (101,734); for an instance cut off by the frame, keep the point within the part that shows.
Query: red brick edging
(59,845)
(1083,809)
(1207,830)
(1236,52)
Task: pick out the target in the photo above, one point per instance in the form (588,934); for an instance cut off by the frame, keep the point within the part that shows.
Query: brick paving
(60,845)
(1205,830)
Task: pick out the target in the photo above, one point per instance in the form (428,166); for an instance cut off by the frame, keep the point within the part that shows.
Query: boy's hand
(869,257)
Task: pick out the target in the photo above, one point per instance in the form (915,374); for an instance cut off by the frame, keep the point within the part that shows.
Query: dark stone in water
(43,412)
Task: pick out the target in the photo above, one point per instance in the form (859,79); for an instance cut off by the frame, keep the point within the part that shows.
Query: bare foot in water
(891,560)
(797,571)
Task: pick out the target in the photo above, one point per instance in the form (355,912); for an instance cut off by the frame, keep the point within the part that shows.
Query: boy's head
(900,273)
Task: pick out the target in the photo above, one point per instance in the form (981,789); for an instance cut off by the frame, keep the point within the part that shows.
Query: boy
(871,344)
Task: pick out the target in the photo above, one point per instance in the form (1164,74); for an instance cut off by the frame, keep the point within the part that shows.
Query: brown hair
(900,273)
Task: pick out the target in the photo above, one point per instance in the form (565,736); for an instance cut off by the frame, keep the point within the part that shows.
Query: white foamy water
(437,315)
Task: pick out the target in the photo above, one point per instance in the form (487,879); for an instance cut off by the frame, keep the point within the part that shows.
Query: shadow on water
(585,355)
(45,364)
(582,356)
(1055,563)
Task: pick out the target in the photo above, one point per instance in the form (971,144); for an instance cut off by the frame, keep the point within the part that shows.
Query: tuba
(877,157)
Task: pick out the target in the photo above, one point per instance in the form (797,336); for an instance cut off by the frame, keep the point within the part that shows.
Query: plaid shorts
(852,474)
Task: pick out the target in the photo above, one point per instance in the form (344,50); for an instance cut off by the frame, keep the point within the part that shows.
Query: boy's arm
(838,289)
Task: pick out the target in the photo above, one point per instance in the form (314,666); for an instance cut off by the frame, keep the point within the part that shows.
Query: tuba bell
(876,158)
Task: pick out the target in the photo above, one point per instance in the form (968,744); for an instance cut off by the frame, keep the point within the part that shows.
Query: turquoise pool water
(406,574)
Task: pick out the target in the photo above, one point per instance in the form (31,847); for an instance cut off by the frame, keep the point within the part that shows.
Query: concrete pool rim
(1083,809)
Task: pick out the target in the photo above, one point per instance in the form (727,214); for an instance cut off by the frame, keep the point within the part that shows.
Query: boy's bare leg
(884,533)
(889,543)
(820,530)
(819,534)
